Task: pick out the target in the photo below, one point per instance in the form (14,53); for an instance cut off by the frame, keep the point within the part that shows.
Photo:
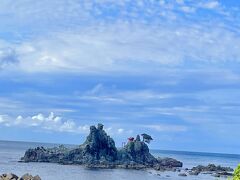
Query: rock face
(99,151)
(99,145)
(136,151)
(15,177)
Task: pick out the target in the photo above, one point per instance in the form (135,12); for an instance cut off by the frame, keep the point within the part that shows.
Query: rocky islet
(99,151)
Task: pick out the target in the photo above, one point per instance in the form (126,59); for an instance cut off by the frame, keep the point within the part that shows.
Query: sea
(11,152)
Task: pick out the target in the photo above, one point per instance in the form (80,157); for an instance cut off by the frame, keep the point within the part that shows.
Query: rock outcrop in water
(99,151)
(217,171)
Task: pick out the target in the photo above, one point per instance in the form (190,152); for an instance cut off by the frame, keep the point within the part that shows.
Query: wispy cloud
(209,4)
(149,47)
(166,127)
(92,46)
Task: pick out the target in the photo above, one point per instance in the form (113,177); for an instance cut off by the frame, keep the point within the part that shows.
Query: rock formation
(99,151)
(136,151)
(217,171)
(210,168)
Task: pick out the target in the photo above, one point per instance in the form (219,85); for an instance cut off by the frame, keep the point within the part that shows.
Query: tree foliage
(236,175)
(146,138)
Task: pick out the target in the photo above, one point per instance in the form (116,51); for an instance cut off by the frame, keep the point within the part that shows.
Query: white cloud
(115,131)
(120,130)
(129,43)
(54,123)
(210,5)
(134,49)
(180,1)
(114,96)
(188,9)
(166,127)
(51,122)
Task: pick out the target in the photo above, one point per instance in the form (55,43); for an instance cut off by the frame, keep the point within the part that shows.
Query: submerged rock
(99,151)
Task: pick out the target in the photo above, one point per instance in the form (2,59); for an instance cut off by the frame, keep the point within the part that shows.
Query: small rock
(15,177)
(8,177)
(195,173)
(37,177)
(182,174)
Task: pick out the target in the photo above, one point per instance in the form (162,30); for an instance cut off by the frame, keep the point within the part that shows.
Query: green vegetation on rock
(236,175)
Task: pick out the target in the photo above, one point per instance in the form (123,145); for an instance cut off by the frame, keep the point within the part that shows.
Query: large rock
(136,151)
(99,145)
(99,151)
(169,162)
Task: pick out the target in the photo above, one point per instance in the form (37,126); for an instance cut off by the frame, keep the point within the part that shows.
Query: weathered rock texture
(15,177)
(99,151)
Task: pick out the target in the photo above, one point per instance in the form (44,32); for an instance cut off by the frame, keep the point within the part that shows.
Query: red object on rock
(131,138)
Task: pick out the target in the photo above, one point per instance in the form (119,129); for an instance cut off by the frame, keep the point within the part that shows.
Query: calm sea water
(11,152)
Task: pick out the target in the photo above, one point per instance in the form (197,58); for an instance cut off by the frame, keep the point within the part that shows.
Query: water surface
(11,152)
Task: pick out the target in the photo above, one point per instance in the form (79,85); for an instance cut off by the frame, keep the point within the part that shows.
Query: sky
(169,68)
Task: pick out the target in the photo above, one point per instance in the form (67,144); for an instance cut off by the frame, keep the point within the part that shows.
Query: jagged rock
(136,151)
(211,167)
(99,151)
(138,138)
(216,171)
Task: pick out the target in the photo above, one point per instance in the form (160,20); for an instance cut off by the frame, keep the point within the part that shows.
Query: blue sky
(167,68)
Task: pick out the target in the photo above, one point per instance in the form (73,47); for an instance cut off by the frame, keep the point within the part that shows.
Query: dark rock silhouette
(211,167)
(99,151)
(217,171)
